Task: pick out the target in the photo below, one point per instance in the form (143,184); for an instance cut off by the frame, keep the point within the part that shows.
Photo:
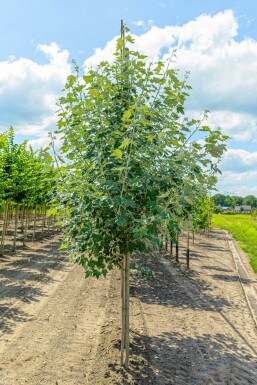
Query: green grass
(244,229)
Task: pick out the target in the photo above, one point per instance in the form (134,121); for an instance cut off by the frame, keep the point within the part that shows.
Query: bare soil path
(50,318)
(187,328)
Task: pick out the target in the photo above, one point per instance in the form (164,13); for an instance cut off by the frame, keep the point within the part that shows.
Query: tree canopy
(132,166)
(26,176)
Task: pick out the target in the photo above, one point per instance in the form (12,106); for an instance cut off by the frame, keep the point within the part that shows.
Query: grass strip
(243,228)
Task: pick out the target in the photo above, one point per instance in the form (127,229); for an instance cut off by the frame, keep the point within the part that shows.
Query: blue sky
(216,40)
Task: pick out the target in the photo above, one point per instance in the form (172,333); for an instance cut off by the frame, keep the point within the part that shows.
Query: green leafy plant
(27,183)
(130,167)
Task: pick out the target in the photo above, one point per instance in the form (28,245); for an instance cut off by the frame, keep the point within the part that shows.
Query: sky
(216,40)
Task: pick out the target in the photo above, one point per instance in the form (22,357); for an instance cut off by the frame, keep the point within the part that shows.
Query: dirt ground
(187,327)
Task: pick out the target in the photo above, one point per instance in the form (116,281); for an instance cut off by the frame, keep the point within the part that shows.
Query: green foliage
(250,200)
(26,176)
(254,214)
(203,211)
(217,210)
(132,169)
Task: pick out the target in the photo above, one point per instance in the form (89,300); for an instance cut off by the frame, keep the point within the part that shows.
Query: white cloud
(44,142)
(41,129)
(36,144)
(239,172)
(238,183)
(222,68)
(239,160)
(144,24)
(28,90)
(240,126)
(138,23)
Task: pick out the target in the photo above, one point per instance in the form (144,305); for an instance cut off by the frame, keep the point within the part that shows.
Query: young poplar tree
(131,163)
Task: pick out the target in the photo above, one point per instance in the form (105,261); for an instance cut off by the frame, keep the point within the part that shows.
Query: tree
(254,214)
(238,200)
(27,179)
(130,166)
(203,211)
(219,199)
(250,200)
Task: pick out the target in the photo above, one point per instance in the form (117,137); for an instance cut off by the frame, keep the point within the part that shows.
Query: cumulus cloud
(241,126)
(239,160)
(36,144)
(45,141)
(144,24)
(222,68)
(138,23)
(28,90)
(238,183)
(239,172)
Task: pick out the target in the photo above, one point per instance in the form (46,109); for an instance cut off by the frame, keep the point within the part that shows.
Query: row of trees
(27,183)
(232,201)
(132,169)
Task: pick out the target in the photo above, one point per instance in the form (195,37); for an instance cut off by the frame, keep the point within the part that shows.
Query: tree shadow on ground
(22,276)
(233,278)
(172,358)
(217,268)
(172,286)
(9,316)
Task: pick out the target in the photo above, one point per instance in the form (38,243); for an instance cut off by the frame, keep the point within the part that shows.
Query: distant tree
(250,200)
(229,201)
(219,199)
(203,211)
(217,210)
(238,200)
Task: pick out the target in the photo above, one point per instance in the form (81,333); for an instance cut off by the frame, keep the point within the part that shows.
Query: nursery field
(243,228)
(187,326)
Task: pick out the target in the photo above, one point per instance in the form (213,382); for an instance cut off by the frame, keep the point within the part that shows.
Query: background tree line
(232,201)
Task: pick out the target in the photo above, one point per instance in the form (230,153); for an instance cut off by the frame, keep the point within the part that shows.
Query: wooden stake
(127,273)
(122,310)
(177,249)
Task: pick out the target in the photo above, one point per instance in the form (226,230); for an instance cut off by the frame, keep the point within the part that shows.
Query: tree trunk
(43,220)
(26,211)
(187,264)
(5,220)
(22,218)
(35,223)
(16,226)
(48,225)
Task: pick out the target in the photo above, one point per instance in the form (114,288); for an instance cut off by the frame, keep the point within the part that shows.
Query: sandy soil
(187,327)
(50,318)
